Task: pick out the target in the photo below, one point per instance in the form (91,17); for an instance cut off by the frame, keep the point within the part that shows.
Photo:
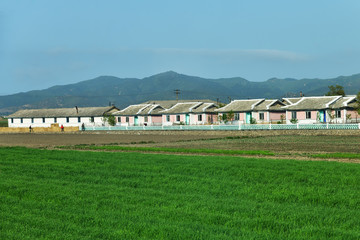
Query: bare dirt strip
(161,137)
(287,144)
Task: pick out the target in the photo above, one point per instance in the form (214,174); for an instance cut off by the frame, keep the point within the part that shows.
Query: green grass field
(3,122)
(61,194)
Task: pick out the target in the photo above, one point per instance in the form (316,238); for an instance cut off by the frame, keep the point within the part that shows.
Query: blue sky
(45,43)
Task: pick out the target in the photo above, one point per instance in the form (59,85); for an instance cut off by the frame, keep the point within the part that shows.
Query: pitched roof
(313,103)
(240,105)
(64,112)
(169,103)
(140,109)
(187,107)
(289,101)
(204,107)
(271,104)
(344,102)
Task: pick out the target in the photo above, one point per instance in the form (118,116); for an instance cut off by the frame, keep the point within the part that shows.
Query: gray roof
(205,107)
(64,112)
(187,107)
(313,103)
(289,101)
(240,105)
(344,102)
(169,103)
(140,109)
(270,105)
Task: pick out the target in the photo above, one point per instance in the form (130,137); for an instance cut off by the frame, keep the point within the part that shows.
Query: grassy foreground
(104,195)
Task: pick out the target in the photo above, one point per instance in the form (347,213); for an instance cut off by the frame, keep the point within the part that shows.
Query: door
(136,121)
(322,114)
(187,119)
(248,117)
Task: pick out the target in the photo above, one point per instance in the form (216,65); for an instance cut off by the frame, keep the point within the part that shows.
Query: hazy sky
(45,43)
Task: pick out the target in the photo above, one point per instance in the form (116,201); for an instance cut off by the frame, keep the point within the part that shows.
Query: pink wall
(301,115)
(276,116)
(157,119)
(354,115)
(241,116)
(123,119)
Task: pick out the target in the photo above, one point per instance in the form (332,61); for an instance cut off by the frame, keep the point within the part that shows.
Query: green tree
(336,90)
(252,120)
(224,117)
(230,116)
(110,119)
(357,108)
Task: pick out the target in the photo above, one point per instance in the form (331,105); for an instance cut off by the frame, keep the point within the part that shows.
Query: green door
(135,121)
(248,117)
(187,119)
(322,114)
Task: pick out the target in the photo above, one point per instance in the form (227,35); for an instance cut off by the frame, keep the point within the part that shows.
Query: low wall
(53,128)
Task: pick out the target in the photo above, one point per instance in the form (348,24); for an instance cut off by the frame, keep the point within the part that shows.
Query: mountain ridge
(102,90)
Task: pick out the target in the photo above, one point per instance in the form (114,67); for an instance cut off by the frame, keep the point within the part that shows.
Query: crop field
(68,194)
(3,122)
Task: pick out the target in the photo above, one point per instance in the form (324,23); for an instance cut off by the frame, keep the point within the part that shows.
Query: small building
(269,111)
(242,110)
(190,113)
(344,110)
(309,110)
(140,115)
(90,116)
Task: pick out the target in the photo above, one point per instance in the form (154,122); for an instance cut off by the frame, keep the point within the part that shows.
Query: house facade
(90,116)
(269,111)
(242,110)
(253,111)
(190,113)
(309,110)
(139,115)
(344,110)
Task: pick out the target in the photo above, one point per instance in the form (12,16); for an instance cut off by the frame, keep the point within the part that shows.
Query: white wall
(38,122)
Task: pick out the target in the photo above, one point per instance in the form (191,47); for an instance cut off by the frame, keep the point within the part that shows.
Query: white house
(90,116)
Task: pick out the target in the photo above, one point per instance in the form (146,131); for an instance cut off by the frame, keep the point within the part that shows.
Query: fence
(231,127)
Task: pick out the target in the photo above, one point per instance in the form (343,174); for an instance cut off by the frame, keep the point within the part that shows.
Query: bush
(294,121)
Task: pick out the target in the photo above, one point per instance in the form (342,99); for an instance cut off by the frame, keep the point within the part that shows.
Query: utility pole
(177,92)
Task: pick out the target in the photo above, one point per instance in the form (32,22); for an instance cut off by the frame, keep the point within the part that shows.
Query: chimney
(77,110)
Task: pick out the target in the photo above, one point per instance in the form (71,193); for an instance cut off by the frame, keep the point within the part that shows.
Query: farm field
(64,194)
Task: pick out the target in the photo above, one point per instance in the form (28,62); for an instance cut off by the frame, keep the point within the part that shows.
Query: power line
(177,92)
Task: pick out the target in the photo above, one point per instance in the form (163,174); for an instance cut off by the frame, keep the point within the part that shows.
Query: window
(178,118)
(43,120)
(168,118)
(127,119)
(32,120)
(12,120)
(199,117)
(21,120)
(55,120)
(119,119)
(145,118)
(338,113)
(79,119)
(92,119)
(261,116)
(67,119)
(293,115)
(308,115)
(237,116)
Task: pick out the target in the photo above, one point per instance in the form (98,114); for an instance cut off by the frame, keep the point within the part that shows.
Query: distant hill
(125,91)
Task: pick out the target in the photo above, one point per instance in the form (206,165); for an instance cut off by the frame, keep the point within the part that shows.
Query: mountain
(122,92)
